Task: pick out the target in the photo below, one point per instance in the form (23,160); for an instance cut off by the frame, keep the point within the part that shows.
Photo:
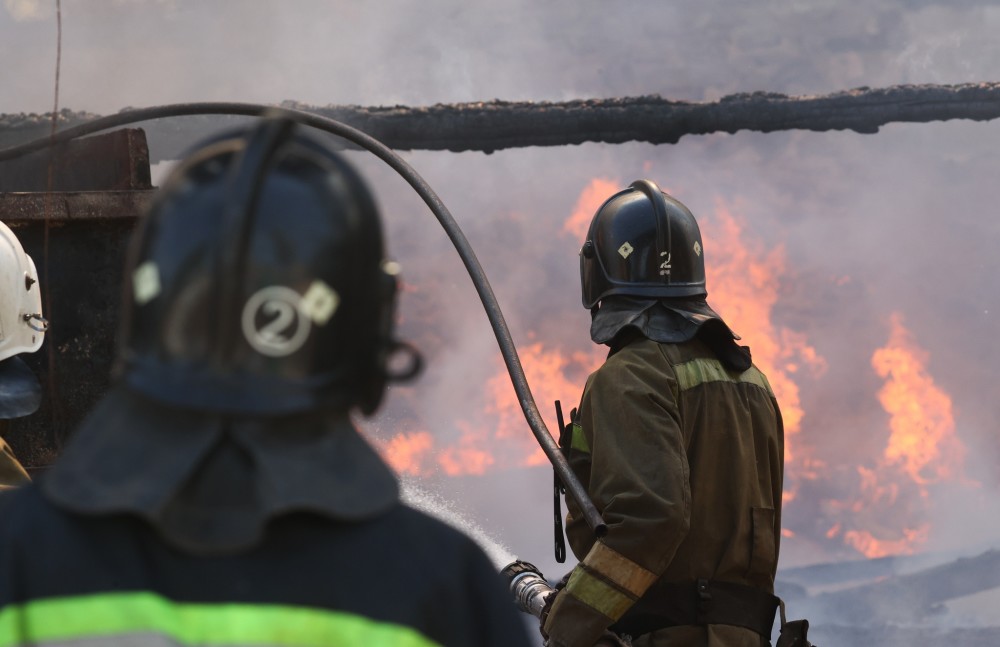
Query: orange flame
(469,456)
(552,376)
(744,277)
(590,200)
(407,452)
(414,453)
(923,428)
(506,441)
(877,497)
(869,546)
(743,281)
(922,449)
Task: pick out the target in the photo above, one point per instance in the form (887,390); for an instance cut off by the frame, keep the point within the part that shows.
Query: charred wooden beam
(494,125)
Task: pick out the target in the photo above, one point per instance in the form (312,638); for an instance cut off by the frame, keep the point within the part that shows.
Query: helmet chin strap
(413,361)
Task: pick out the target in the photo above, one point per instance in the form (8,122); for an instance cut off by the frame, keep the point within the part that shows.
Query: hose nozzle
(528,586)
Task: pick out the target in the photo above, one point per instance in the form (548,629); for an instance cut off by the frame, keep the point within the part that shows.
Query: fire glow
(743,279)
(923,441)
(882,506)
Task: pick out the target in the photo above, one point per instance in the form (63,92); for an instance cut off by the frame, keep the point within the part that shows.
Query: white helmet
(22,327)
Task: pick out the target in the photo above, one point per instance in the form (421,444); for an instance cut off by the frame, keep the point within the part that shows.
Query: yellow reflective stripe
(598,594)
(116,615)
(699,371)
(619,569)
(577,440)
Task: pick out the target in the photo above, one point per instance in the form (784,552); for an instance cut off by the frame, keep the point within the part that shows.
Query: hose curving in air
(507,349)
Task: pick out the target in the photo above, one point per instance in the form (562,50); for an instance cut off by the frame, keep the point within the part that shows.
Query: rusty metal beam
(115,160)
(494,125)
(72,205)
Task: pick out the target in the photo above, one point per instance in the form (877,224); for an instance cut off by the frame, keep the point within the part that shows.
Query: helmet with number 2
(258,283)
(643,243)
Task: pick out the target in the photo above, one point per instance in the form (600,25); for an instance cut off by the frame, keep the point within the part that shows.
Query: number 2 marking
(272,331)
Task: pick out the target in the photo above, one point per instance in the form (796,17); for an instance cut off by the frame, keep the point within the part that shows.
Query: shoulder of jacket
(642,360)
(653,352)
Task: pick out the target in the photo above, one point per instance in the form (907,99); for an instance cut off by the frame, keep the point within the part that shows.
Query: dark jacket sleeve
(639,479)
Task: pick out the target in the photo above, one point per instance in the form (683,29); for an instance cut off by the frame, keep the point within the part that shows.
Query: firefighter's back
(111,580)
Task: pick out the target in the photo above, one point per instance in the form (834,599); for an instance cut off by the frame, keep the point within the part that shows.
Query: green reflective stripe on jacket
(598,594)
(577,440)
(702,370)
(118,614)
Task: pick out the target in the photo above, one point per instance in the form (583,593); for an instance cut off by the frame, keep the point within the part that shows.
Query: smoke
(903,221)
(25,10)
(33,10)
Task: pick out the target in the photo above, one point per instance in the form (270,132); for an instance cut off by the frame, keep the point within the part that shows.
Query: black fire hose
(427,194)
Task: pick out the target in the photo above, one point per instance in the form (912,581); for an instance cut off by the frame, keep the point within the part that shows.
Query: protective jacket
(199,530)
(314,581)
(682,456)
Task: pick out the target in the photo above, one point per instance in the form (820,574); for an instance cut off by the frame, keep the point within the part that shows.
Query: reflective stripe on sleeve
(619,569)
(596,593)
(577,440)
(699,371)
(116,617)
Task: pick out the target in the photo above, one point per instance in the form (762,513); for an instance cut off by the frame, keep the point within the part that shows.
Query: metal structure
(74,217)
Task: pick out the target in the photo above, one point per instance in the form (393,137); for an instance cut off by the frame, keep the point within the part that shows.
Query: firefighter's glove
(572,623)
(543,616)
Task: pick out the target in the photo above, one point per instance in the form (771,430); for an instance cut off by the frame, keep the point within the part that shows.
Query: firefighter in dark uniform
(22,330)
(679,441)
(219,494)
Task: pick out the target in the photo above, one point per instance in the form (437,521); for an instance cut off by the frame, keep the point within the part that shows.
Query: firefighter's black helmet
(258,282)
(644,243)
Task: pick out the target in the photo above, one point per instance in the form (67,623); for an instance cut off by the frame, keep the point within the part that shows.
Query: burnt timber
(495,125)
